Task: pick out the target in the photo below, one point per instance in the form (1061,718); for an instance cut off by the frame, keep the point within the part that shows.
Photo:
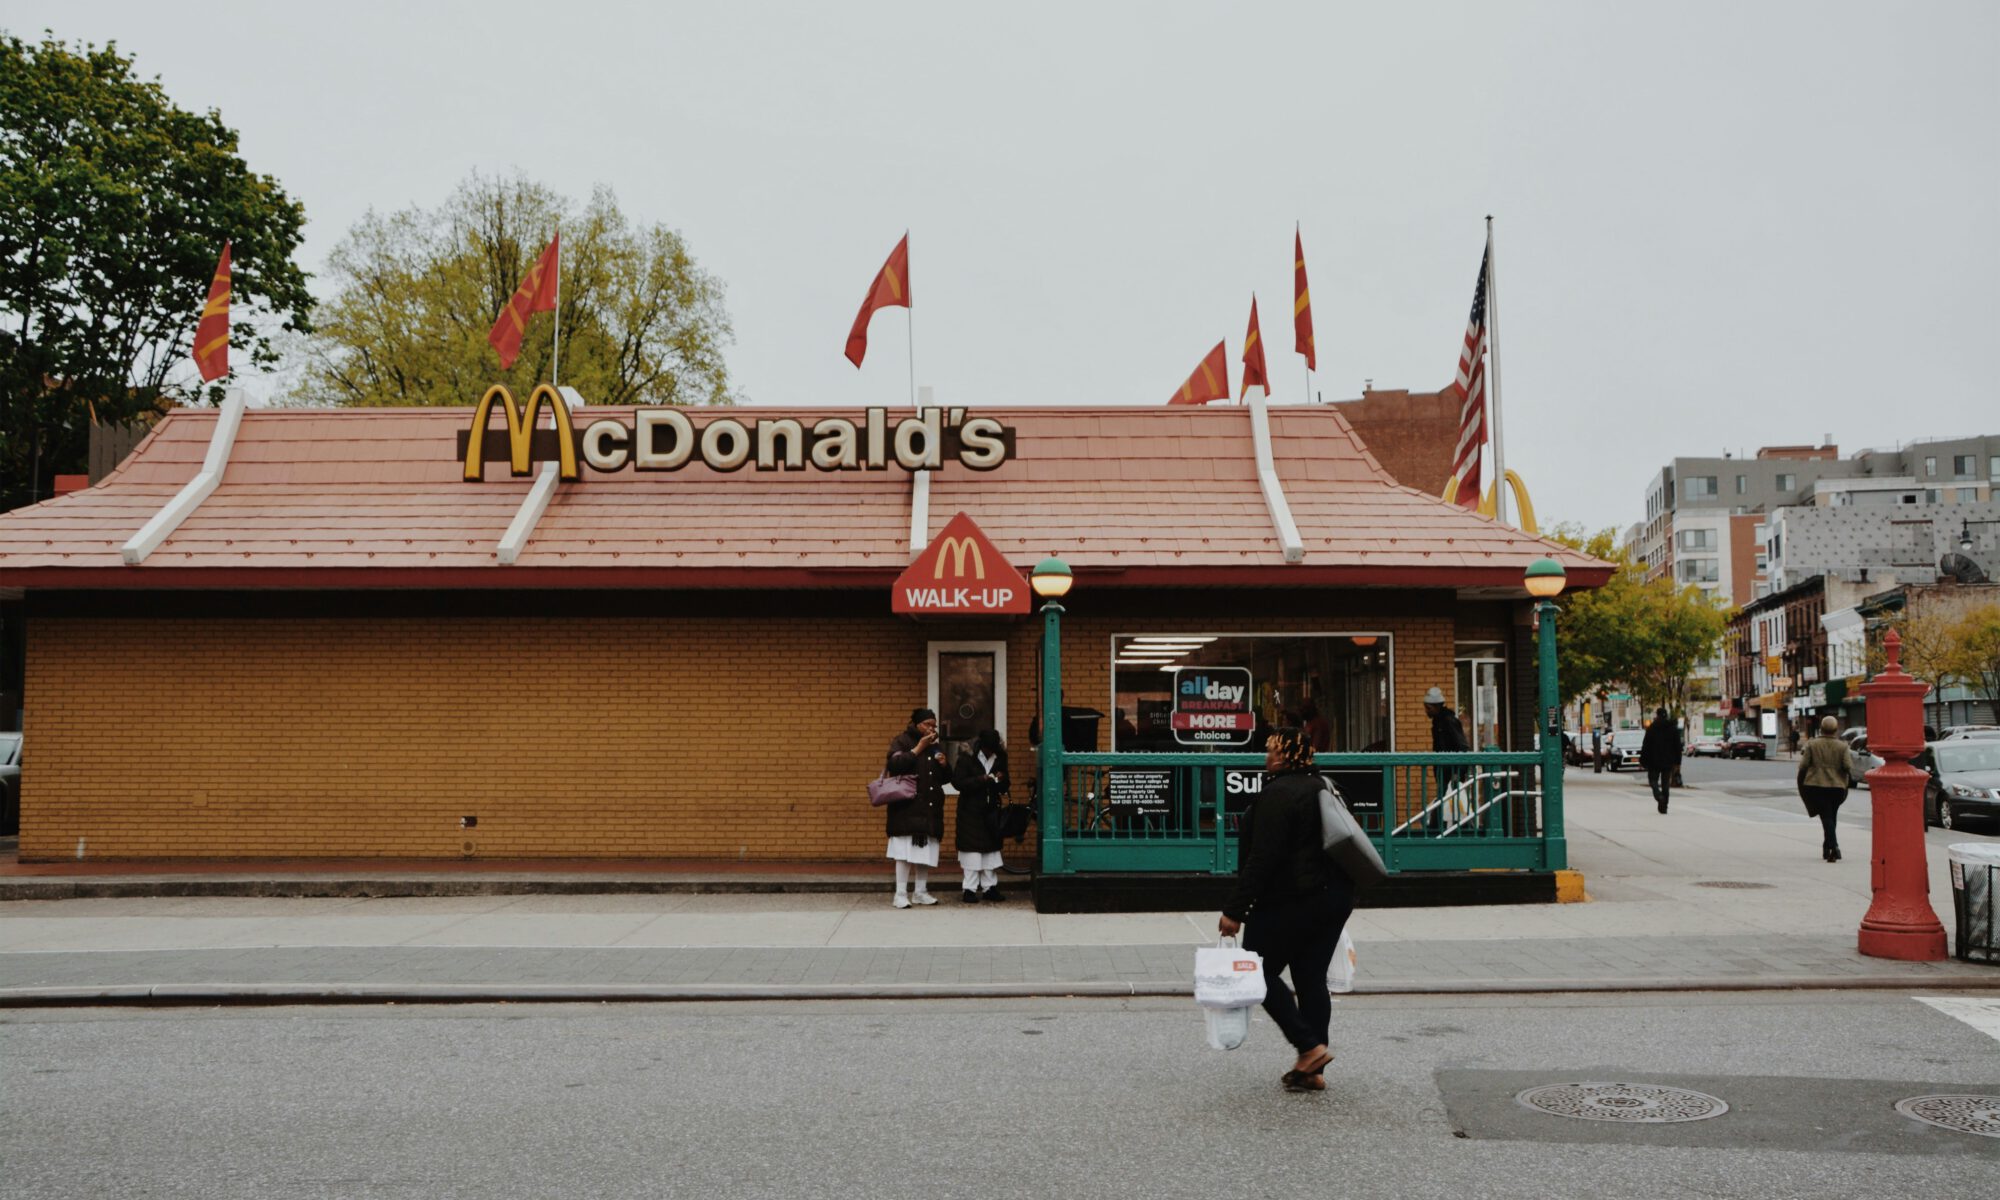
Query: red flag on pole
(1210,380)
(1302,309)
(211,334)
(1254,374)
(891,289)
(537,293)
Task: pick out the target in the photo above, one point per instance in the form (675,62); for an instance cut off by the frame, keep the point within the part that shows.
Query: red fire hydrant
(1900,922)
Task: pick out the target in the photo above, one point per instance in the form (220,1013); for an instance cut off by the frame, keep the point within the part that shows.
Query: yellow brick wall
(679,737)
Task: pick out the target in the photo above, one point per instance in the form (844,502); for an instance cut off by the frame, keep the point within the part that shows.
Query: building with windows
(669,632)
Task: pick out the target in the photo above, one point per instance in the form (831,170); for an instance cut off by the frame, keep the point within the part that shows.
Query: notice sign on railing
(1212,706)
(1147,791)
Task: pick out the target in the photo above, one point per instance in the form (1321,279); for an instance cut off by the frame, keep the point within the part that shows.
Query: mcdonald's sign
(960,573)
(520,432)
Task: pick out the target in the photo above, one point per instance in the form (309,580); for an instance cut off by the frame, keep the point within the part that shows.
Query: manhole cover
(1966,1114)
(1633,1103)
(1730,883)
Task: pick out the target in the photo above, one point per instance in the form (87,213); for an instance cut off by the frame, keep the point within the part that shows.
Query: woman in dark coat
(916,826)
(980,775)
(1293,900)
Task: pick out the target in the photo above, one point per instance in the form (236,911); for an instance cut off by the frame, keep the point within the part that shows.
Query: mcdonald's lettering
(669,439)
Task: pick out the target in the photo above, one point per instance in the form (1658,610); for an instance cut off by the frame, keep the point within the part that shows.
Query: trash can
(1975,886)
(1080,729)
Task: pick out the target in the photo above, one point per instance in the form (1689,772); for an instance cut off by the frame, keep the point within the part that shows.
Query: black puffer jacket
(923,816)
(977,827)
(1280,855)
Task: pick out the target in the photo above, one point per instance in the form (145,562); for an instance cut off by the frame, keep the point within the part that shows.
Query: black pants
(1300,935)
(1826,802)
(1659,781)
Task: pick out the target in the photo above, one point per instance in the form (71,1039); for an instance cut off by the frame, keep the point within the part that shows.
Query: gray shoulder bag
(1345,842)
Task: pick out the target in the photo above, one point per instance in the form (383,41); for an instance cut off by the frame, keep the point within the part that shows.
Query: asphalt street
(978,1099)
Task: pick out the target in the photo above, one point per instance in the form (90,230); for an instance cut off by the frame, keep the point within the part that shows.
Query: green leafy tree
(114,205)
(417,291)
(1646,635)
(1972,654)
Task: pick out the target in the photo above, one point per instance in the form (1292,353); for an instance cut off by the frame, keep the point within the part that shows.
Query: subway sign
(667,439)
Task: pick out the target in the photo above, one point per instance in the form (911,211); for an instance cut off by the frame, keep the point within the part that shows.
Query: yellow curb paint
(1569,887)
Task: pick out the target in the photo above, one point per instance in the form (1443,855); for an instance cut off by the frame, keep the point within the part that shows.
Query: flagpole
(555,361)
(1493,384)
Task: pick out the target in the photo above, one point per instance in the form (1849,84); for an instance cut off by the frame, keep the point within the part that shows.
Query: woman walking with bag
(1293,900)
(916,825)
(980,775)
(1826,771)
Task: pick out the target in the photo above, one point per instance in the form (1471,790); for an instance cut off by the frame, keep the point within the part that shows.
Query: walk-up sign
(961,573)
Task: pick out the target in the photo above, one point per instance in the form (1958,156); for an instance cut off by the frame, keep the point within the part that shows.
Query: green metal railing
(1179,812)
(1492,810)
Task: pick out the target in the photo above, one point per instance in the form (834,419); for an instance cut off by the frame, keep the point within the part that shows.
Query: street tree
(1930,651)
(1646,635)
(415,293)
(1973,651)
(114,205)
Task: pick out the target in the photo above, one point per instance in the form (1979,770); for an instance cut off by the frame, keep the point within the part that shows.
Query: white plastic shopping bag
(1228,983)
(1340,972)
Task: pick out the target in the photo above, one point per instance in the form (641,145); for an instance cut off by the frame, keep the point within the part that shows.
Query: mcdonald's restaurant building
(691,634)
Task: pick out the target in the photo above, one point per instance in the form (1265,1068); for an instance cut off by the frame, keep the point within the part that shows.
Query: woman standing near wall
(980,775)
(916,826)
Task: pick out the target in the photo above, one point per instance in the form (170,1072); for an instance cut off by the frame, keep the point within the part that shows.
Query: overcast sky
(1719,225)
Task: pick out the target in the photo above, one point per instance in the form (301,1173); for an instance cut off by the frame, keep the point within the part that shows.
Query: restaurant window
(968,691)
(1336,686)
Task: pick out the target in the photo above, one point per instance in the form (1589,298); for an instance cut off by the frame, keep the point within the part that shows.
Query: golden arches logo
(520,432)
(1489,504)
(959,548)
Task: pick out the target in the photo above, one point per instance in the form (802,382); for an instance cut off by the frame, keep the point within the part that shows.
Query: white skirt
(978,860)
(904,849)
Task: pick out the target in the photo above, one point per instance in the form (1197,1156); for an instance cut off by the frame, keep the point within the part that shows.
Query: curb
(208,994)
(314,888)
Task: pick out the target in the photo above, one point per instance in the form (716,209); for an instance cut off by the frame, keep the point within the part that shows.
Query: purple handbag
(891,789)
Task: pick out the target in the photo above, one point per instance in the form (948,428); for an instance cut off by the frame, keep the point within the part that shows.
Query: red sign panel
(961,573)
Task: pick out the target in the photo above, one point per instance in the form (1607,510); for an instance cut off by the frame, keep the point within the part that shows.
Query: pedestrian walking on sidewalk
(1447,737)
(1826,771)
(1597,751)
(1660,754)
(916,826)
(1291,903)
(980,775)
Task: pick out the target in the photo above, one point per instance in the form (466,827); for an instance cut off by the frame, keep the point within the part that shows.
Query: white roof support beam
(522,527)
(920,492)
(1267,479)
(196,490)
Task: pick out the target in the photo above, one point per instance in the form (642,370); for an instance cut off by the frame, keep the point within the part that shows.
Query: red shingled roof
(373,497)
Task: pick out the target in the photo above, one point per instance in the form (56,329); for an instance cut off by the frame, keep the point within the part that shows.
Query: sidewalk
(1724,893)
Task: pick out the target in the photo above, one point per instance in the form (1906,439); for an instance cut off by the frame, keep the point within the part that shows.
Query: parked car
(1951,733)
(1708,746)
(1964,781)
(1622,748)
(1865,760)
(1745,745)
(10,784)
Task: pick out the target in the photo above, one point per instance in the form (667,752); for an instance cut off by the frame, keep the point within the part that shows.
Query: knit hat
(1434,696)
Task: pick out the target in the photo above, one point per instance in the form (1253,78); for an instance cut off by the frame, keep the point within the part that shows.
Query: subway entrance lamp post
(1900,922)
(1545,580)
(1051,581)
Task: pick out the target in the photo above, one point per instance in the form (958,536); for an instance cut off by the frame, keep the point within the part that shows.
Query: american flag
(1471,388)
